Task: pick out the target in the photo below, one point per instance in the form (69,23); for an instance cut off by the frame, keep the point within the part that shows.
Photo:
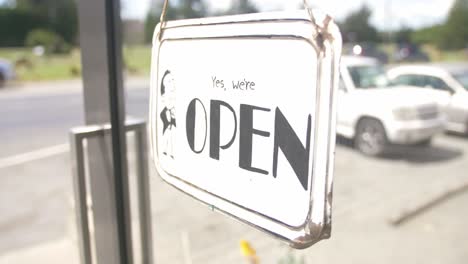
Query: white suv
(375,114)
(447,82)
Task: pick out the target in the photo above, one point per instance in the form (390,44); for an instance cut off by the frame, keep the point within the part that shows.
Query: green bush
(455,33)
(15,25)
(51,41)
(450,35)
(429,35)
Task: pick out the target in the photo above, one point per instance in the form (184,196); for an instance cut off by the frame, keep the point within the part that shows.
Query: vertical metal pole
(144,194)
(119,144)
(80,194)
(101,49)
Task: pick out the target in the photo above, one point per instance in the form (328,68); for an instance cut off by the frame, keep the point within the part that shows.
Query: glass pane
(462,78)
(406,206)
(37,222)
(404,80)
(368,77)
(435,82)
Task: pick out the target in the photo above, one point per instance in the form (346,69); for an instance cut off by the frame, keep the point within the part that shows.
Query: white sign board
(242,117)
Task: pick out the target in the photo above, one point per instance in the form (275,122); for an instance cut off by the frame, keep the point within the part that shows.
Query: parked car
(376,116)
(447,82)
(7,72)
(367,49)
(407,52)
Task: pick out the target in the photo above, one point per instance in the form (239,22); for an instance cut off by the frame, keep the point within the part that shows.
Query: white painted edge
(33,155)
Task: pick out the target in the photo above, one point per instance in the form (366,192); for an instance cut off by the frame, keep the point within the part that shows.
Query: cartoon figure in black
(168,114)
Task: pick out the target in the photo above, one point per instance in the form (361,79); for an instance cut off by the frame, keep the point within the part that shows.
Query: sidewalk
(63,87)
(53,252)
(368,192)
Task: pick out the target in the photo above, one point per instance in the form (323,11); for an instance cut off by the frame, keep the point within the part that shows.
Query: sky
(412,13)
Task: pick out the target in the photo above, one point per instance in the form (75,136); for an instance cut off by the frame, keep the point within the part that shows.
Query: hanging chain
(311,15)
(306,4)
(164,10)
(309,10)
(162,19)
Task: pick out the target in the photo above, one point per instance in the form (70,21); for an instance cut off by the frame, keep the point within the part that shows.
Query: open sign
(242,117)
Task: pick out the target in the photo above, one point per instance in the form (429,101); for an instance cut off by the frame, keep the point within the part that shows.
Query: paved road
(35,198)
(36,193)
(32,119)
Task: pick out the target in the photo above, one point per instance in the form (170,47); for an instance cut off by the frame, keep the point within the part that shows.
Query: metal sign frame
(326,40)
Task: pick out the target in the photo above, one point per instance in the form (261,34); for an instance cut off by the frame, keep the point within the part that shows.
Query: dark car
(408,52)
(365,50)
(7,72)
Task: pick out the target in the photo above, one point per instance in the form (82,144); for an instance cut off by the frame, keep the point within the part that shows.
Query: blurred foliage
(450,35)
(184,9)
(191,9)
(137,59)
(16,24)
(241,7)
(404,35)
(153,17)
(151,21)
(356,27)
(65,22)
(61,15)
(30,67)
(58,16)
(428,35)
(455,31)
(51,41)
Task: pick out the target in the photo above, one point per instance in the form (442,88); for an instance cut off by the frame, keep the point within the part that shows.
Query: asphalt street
(36,196)
(32,120)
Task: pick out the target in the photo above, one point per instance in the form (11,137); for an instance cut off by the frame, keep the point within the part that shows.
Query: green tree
(16,24)
(191,9)
(455,32)
(151,21)
(184,9)
(61,15)
(356,26)
(403,35)
(51,41)
(65,22)
(46,8)
(152,18)
(241,7)
(429,35)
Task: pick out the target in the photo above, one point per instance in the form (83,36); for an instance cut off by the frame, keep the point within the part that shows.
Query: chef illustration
(168,114)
